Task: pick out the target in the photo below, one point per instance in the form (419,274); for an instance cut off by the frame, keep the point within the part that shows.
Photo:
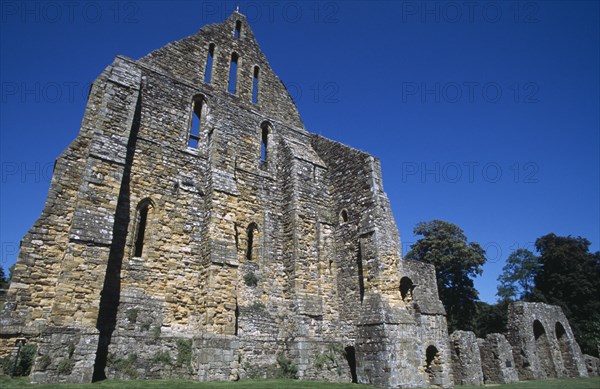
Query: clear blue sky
(483,114)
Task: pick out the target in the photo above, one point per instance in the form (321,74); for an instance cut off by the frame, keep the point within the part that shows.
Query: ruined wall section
(543,342)
(497,362)
(87,174)
(466,358)
(186,60)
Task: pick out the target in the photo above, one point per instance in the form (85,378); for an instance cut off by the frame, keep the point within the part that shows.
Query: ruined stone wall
(542,342)
(466,358)
(219,254)
(497,362)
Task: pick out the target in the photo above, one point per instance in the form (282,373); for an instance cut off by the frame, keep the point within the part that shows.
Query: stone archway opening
(542,349)
(566,351)
(433,366)
(351,358)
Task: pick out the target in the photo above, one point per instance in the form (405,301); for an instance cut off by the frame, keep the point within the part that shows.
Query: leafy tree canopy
(569,276)
(517,281)
(456,262)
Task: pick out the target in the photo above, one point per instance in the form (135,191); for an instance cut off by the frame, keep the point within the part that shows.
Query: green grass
(23,382)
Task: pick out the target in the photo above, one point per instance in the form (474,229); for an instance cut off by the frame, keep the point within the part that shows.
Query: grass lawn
(23,382)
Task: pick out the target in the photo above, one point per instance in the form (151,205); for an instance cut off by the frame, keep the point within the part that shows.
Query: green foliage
(156,332)
(45,361)
(145,326)
(132,315)
(162,357)
(125,366)
(287,368)
(490,318)
(65,367)
(329,358)
(184,352)
(70,349)
(257,306)
(569,276)
(250,279)
(517,281)
(25,362)
(3,281)
(456,262)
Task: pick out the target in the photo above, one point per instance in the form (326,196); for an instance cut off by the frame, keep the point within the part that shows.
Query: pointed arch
(237,32)
(233,73)
(143,208)
(197,120)
(255,84)
(253,242)
(265,134)
(343,216)
(406,289)
(209,63)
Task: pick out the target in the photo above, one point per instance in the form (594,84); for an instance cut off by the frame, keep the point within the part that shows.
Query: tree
(3,280)
(517,281)
(490,318)
(569,276)
(456,261)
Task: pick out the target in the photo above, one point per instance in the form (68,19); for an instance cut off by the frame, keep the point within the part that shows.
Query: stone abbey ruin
(195,229)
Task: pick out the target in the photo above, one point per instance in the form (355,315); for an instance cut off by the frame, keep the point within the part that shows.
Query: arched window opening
(196,124)
(433,365)
(255,85)
(538,329)
(542,349)
(209,63)
(252,246)
(406,289)
(233,69)
(265,130)
(343,216)
(238,30)
(142,220)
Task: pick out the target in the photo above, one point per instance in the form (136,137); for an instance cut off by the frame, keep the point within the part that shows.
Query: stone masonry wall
(542,342)
(466,359)
(195,233)
(497,360)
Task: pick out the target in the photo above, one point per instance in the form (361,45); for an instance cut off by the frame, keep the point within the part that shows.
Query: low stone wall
(497,361)
(466,360)
(592,364)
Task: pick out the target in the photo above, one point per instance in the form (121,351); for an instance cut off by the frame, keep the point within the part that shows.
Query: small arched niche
(406,289)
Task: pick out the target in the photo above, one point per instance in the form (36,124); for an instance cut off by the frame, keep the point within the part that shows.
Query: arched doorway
(351,358)
(542,350)
(433,365)
(565,350)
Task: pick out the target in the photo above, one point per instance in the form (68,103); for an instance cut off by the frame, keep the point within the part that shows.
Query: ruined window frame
(142,217)
(210,63)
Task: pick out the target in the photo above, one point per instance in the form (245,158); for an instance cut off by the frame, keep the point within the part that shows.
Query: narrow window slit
(255,86)
(238,30)
(209,63)
(194,135)
(233,66)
